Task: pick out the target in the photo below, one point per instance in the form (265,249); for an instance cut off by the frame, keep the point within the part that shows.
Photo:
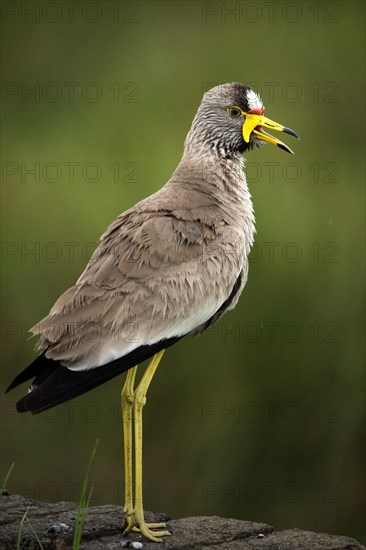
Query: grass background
(262,418)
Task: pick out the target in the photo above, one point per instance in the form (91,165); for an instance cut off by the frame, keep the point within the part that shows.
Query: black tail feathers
(54,384)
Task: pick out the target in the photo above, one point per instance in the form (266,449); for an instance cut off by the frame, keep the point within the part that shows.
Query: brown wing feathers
(169,266)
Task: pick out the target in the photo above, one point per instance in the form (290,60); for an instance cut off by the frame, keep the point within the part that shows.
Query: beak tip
(285,148)
(291,132)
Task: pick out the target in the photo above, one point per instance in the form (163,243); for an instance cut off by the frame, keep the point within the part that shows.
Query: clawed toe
(131,524)
(152,535)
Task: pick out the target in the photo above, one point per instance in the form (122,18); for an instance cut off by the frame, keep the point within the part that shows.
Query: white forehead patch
(254,100)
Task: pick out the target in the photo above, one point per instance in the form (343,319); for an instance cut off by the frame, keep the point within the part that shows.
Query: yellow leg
(138,405)
(133,401)
(127,396)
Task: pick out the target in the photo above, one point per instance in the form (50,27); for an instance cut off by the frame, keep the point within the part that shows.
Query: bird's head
(231,120)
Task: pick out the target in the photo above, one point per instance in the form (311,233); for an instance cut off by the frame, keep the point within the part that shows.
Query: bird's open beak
(255,123)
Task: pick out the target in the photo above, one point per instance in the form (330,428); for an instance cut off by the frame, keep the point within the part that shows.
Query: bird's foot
(128,521)
(132,523)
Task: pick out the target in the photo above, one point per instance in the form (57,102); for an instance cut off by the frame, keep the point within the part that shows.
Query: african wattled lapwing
(169,267)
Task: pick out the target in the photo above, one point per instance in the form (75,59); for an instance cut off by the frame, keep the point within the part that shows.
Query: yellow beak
(256,123)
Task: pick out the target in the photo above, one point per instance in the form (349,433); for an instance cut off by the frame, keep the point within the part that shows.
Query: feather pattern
(168,267)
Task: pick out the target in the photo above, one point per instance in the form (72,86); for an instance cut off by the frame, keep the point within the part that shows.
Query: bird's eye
(234,112)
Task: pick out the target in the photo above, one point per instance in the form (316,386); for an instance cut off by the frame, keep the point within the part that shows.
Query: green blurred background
(261,418)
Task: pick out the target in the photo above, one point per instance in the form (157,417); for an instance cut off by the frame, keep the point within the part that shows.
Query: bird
(166,268)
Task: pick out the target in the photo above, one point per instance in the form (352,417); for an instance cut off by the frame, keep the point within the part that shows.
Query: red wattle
(257,111)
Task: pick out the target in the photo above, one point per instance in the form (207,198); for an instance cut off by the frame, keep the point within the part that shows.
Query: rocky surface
(53,523)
